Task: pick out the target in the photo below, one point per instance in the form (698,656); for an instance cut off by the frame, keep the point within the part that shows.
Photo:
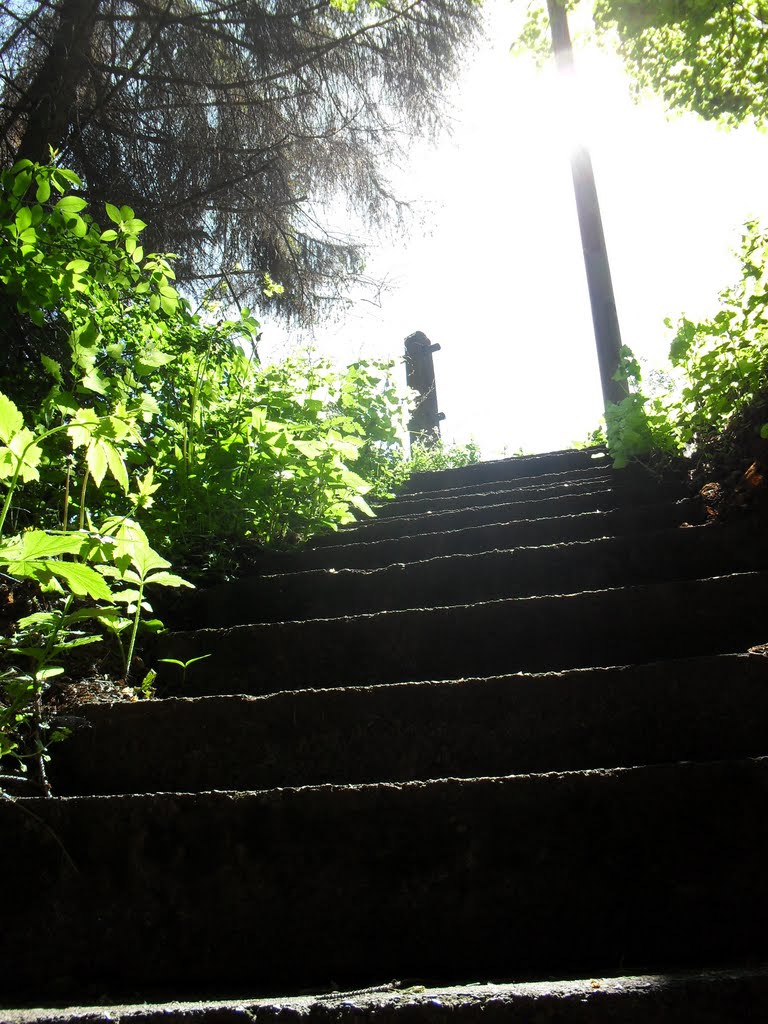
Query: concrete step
(579,874)
(600,472)
(566,461)
(693,709)
(463,579)
(737,996)
(347,552)
(629,486)
(431,522)
(535,634)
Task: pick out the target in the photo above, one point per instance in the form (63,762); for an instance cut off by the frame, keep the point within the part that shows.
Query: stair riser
(430,522)
(509,469)
(575,476)
(612,627)
(413,506)
(462,579)
(698,709)
(474,539)
(577,874)
(628,488)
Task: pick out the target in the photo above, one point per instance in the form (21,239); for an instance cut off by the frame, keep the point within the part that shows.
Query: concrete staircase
(499,752)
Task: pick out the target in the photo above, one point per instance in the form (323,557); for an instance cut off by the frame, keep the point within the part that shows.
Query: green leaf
(36,544)
(51,671)
(43,193)
(78,266)
(53,368)
(133,548)
(22,454)
(82,580)
(11,420)
(96,460)
(22,182)
(114,215)
(152,359)
(167,579)
(116,466)
(70,205)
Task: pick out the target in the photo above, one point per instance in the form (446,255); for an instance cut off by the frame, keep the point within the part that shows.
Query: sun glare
(496,274)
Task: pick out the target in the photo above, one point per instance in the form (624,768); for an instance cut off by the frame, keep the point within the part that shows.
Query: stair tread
(461,578)
(691,709)
(374,552)
(487,777)
(562,871)
(420,522)
(509,468)
(672,997)
(642,623)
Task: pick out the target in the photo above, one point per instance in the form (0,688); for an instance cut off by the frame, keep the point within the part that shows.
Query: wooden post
(420,375)
(604,317)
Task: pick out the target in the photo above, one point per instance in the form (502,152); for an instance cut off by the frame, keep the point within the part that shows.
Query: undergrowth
(717,376)
(137,433)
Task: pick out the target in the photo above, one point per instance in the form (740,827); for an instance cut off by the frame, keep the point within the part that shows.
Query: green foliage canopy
(707,56)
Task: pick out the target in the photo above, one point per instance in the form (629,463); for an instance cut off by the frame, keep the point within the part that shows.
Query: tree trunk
(50,104)
(604,317)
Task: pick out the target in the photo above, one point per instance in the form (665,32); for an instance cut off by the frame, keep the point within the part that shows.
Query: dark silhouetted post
(604,317)
(420,375)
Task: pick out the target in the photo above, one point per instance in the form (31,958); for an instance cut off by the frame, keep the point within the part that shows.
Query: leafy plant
(427,456)
(219,452)
(134,563)
(719,366)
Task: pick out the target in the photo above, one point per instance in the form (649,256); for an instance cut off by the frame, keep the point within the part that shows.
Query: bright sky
(496,275)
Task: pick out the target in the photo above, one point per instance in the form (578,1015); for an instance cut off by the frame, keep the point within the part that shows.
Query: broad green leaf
(116,466)
(87,614)
(22,454)
(83,427)
(70,205)
(152,359)
(168,579)
(53,368)
(11,420)
(78,266)
(93,381)
(22,182)
(96,460)
(82,580)
(359,502)
(114,214)
(43,193)
(132,544)
(36,544)
(311,449)
(23,219)
(51,671)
